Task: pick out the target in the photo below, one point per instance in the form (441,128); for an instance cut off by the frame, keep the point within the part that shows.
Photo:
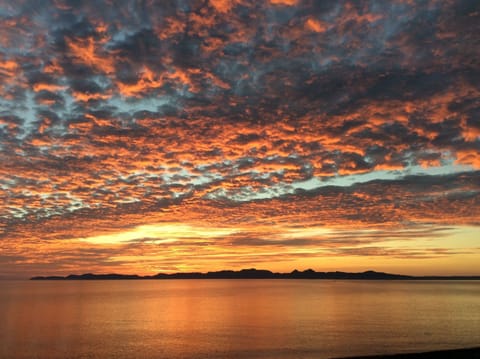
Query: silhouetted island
(257,274)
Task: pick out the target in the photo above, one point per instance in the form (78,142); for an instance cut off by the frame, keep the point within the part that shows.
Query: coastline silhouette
(253,273)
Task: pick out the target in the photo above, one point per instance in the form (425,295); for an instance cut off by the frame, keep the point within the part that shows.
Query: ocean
(235,318)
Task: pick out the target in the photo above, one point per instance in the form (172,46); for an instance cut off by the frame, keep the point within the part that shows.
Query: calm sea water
(235,319)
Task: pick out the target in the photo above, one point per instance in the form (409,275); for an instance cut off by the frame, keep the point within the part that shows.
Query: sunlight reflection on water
(234,318)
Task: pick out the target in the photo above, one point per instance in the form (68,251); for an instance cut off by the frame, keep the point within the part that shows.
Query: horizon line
(252,273)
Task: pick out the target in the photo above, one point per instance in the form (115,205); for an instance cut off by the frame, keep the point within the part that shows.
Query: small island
(257,274)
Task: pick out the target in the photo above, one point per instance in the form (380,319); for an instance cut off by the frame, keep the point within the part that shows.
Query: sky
(176,136)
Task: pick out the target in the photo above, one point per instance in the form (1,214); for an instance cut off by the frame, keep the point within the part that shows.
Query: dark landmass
(470,353)
(256,274)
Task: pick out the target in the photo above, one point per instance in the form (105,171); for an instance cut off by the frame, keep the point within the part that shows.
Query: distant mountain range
(257,274)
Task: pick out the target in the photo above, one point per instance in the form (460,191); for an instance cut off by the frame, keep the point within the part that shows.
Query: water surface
(235,318)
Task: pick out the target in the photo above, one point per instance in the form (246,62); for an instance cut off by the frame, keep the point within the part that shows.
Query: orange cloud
(147,81)
(284,2)
(469,157)
(8,68)
(48,87)
(315,25)
(85,96)
(88,52)
(222,6)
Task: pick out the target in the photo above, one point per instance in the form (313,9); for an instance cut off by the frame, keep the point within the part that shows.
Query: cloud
(335,113)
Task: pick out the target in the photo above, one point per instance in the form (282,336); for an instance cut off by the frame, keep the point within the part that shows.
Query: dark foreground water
(235,318)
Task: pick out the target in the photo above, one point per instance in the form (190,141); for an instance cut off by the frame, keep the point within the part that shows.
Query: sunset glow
(170,136)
